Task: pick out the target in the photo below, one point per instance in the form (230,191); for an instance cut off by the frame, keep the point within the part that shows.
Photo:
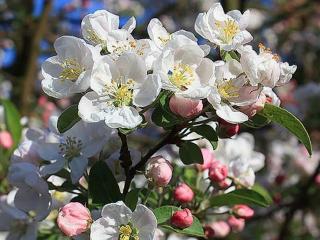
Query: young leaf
(163,215)
(68,118)
(207,132)
(190,153)
(12,118)
(240,196)
(163,119)
(132,198)
(262,191)
(103,188)
(289,121)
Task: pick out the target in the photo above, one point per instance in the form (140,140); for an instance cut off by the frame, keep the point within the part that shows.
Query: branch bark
(31,69)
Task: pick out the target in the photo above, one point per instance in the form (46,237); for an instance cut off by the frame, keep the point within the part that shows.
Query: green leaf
(103,187)
(262,191)
(163,119)
(132,198)
(163,215)
(257,121)
(190,153)
(12,118)
(289,121)
(207,132)
(227,56)
(68,118)
(240,196)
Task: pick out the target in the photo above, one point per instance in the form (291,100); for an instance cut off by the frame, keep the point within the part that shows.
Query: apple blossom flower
(224,184)
(183,193)
(182,218)
(218,171)
(185,71)
(185,107)
(118,87)
(74,219)
(6,140)
(230,88)
(73,148)
(242,161)
(159,171)
(228,31)
(218,229)
(19,224)
(97,26)
(236,224)
(68,72)
(119,222)
(265,68)
(164,40)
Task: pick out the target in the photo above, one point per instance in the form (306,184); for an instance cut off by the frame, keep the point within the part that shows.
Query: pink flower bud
(224,184)
(182,218)
(208,158)
(256,107)
(219,229)
(6,140)
(218,171)
(243,211)
(236,224)
(185,107)
(183,193)
(74,219)
(227,130)
(159,171)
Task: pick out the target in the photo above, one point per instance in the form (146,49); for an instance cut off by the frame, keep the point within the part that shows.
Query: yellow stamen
(120,94)
(228,29)
(182,76)
(93,37)
(264,49)
(227,90)
(127,232)
(71,70)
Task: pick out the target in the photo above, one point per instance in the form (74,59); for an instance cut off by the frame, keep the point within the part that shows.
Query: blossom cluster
(119,79)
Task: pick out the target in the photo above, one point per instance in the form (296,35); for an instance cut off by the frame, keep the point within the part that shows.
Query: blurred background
(28,29)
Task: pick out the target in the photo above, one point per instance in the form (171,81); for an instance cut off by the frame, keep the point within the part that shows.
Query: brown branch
(31,69)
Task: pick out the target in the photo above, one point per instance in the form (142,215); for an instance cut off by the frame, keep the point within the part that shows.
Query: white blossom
(69,71)
(119,222)
(118,88)
(228,31)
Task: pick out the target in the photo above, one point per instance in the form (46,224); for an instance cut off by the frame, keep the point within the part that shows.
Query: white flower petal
(90,109)
(124,117)
(148,91)
(146,222)
(231,115)
(130,25)
(101,230)
(77,166)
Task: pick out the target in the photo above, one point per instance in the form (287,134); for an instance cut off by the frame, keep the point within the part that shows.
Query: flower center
(228,29)
(120,95)
(182,76)
(264,49)
(123,46)
(227,90)
(71,70)
(128,232)
(70,148)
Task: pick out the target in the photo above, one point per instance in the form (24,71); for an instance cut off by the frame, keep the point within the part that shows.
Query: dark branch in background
(301,202)
(28,84)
